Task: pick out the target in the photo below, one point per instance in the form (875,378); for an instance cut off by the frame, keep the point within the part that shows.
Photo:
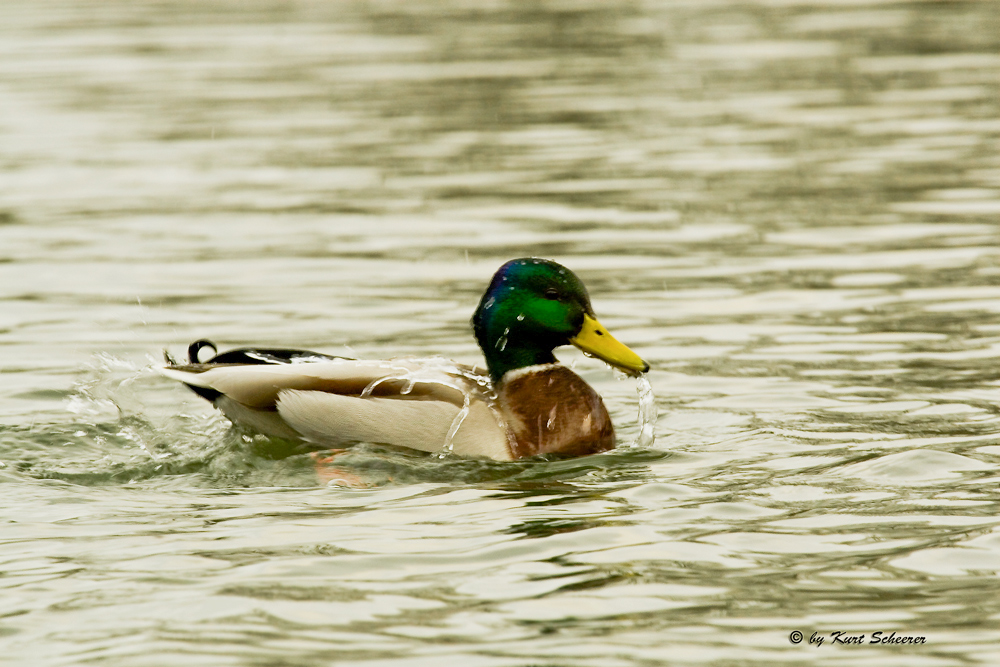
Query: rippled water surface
(789,208)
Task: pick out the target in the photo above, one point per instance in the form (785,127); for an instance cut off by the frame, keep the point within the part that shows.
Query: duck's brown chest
(551,410)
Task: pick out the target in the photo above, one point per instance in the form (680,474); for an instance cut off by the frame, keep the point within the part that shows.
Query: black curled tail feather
(197,346)
(193,349)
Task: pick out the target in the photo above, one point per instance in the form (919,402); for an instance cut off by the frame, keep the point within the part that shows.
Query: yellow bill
(594,339)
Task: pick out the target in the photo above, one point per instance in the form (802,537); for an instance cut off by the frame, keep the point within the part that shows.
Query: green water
(790,209)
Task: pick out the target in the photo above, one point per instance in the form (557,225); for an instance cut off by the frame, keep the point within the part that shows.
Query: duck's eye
(552,293)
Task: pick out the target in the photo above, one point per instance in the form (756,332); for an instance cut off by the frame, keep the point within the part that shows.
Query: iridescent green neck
(531,307)
(507,355)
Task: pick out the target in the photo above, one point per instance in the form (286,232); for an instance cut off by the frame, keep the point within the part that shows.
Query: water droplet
(520,318)
(501,343)
(489,302)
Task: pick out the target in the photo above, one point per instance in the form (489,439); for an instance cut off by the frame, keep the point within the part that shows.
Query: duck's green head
(535,305)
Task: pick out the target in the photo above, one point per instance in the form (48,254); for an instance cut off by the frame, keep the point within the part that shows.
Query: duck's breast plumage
(549,409)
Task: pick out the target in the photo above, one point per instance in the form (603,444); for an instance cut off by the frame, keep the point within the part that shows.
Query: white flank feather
(333,418)
(422,425)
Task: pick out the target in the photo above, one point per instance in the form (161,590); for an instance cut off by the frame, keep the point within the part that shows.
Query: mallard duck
(525,403)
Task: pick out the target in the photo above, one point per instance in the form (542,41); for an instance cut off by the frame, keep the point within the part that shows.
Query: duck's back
(551,410)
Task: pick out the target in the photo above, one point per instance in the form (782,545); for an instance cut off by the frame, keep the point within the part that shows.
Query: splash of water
(105,394)
(483,387)
(449,440)
(647,412)
(415,370)
(444,372)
